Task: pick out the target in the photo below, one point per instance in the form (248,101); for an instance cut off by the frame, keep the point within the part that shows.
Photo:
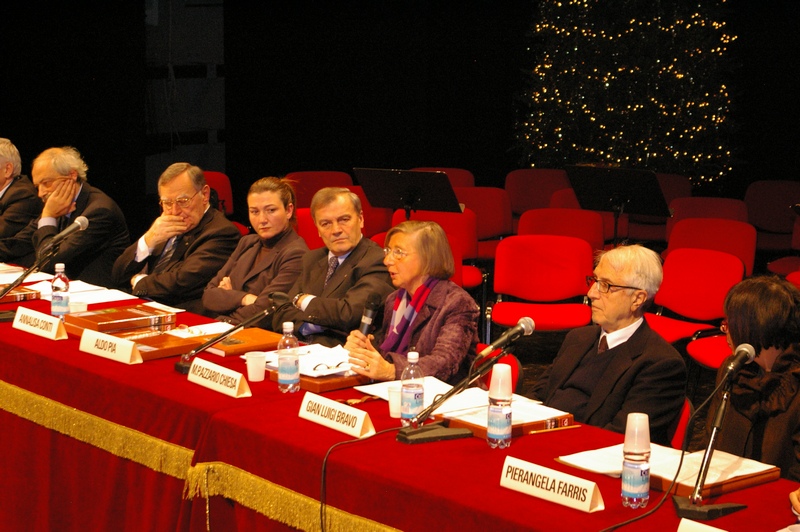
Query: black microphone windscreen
(373,301)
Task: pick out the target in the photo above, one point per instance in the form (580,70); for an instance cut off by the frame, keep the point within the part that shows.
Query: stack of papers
(317,360)
(725,473)
(79,291)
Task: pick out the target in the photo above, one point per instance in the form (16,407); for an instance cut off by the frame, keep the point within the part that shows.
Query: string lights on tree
(630,83)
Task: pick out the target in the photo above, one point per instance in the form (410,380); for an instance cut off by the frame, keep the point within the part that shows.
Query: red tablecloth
(92,444)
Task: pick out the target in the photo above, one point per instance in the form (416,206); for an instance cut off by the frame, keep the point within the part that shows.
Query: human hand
(225,283)
(164,227)
(366,360)
(249,299)
(61,200)
(794,497)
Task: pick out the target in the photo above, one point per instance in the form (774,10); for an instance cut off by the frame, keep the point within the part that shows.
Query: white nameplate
(551,485)
(39,324)
(338,416)
(218,378)
(107,346)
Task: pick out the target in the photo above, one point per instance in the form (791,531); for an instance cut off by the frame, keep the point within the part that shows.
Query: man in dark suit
(184,248)
(328,299)
(619,365)
(19,203)
(60,176)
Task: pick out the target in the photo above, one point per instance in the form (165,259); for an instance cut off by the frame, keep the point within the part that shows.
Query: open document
(726,472)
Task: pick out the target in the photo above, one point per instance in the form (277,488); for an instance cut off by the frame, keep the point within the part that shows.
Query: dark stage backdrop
(333,85)
(74,74)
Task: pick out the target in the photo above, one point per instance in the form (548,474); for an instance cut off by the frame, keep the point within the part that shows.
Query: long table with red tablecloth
(92,444)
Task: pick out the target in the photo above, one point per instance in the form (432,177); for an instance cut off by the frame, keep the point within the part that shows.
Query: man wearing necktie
(618,365)
(327,300)
(59,174)
(184,247)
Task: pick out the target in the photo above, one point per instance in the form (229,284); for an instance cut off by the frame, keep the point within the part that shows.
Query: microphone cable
(684,445)
(322,512)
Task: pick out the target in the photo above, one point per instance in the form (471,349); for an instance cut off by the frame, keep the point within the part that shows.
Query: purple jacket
(444,333)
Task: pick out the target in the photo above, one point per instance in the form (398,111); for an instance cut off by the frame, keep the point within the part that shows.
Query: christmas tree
(629,83)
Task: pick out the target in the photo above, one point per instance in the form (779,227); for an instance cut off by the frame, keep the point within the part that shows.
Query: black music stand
(409,190)
(619,190)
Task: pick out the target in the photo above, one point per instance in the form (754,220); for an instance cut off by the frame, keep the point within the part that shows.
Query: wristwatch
(296,299)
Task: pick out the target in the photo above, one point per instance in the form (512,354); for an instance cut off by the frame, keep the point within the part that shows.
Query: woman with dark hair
(427,313)
(763,422)
(268,261)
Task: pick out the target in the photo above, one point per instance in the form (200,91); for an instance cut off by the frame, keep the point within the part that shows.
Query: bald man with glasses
(619,364)
(184,248)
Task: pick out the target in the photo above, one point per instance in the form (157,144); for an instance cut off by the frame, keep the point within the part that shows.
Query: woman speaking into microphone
(427,313)
(763,422)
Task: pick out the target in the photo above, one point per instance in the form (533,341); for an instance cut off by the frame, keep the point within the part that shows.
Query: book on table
(109,320)
(244,340)
(468,409)
(20,293)
(727,472)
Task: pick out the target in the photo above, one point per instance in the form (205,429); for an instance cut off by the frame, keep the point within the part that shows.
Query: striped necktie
(333,263)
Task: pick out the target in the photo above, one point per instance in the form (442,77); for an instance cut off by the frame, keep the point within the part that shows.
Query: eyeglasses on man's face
(180,202)
(605,287)
(397,253)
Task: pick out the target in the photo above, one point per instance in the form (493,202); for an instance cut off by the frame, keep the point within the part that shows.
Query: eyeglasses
(724,326)
(180,202)
(397,253)
(605,287)
(322,366)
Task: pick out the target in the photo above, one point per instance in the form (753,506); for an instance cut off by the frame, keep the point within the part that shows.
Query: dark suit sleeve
(344,313)
(658,391)
(20,205)
(280,276)
(185,279)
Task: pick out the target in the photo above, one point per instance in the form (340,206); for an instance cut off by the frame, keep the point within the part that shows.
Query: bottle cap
(637,433)
(60,266)
(413,357)
(500,387)
(288,326)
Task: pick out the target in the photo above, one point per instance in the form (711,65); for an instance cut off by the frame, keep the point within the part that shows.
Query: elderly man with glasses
(59,175)
(184,248)
(618,365)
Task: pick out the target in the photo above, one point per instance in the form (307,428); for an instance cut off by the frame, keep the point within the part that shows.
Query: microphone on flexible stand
(371,309)
(182,366)
(47,252)
(692,507)
(80,224)
(416,433)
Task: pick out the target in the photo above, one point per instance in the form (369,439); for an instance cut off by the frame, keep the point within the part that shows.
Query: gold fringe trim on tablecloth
(272,500)
(121,441)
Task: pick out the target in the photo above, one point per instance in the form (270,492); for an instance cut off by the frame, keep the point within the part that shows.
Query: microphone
(80,223)
(370,311)
(524,327)
(744,355)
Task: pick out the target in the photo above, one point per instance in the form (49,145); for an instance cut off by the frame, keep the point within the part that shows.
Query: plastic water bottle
(498,426)
(59,301)
(288,361)
(412,390)
(636,462)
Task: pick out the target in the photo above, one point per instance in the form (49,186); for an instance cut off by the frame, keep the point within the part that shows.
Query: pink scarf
(403,314)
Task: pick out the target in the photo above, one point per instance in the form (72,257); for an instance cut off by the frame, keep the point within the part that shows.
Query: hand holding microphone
(371,309)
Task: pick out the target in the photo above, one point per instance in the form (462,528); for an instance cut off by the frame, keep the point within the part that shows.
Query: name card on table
(218,378)
(551,485)
(40,324)
(337,416)
(107,346)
